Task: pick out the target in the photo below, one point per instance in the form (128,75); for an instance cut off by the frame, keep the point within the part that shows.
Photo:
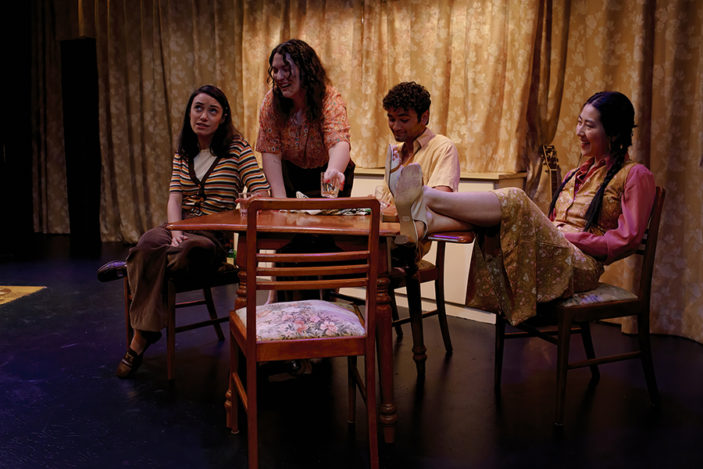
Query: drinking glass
(383,196)
(243,198)
(328,189)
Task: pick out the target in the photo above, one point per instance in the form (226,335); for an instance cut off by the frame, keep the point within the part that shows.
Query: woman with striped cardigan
(213,163)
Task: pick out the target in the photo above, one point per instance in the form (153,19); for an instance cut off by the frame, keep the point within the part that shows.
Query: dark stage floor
(61,405)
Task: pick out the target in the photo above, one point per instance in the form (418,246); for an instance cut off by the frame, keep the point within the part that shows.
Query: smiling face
(405,124)
(286,76)
(205,117)
(591,134)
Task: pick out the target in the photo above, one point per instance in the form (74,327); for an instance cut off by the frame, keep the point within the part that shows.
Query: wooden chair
(411,279)
(261,334)
(605,302)
(225,275)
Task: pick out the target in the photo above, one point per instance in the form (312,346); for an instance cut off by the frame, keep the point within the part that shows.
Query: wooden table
(285,225)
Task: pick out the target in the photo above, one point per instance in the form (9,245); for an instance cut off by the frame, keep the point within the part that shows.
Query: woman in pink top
(303,126)
(598,215)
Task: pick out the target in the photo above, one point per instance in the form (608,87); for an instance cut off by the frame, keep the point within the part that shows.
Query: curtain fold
(48,153)
(676,143)
(547,85)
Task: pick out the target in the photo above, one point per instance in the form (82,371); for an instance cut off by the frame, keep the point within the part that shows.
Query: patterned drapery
(505,77)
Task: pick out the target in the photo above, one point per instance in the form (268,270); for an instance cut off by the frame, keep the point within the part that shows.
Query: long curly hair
(313,79)
(188,145)
(408,95)
(617,115)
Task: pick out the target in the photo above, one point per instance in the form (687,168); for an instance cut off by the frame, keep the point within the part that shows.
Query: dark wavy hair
(617,115)
(313,79)
(188,146)
(408,95)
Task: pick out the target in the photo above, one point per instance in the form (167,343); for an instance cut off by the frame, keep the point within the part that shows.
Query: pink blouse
(636,206)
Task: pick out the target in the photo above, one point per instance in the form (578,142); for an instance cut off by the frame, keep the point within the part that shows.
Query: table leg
(384,342)
(239,302)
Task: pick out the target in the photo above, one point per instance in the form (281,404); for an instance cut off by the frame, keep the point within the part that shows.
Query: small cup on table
(244,198)
(383,196)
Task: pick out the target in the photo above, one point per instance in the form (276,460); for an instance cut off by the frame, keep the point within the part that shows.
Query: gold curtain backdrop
(505,77)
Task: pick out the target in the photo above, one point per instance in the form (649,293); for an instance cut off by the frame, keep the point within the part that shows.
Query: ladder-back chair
(226,274)
(605,302)
(324,329)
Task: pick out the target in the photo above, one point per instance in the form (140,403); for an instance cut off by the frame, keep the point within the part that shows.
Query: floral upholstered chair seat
(602,293)
(305,319)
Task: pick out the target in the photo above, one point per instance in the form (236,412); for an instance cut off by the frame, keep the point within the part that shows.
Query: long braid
(555,197)
(594,209)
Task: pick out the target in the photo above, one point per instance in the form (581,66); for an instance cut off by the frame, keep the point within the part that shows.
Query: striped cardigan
(227,177)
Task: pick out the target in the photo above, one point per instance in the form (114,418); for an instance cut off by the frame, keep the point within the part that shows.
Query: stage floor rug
(10,293)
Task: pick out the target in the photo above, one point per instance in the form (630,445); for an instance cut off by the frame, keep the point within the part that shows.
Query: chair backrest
(312,270)
(648,247)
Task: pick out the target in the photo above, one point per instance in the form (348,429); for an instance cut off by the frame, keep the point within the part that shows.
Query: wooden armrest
(458,237)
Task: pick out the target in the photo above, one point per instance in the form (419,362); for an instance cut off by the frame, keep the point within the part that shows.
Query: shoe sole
(408,189)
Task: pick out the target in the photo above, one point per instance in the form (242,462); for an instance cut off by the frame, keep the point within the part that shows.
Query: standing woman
(598,216)
(212,164)
(303,127)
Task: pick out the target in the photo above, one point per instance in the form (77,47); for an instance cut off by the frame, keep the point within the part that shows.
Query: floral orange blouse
(304,144)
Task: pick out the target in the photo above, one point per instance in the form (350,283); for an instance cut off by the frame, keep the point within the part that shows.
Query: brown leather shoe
(112,271)
(129,364)
(133,360)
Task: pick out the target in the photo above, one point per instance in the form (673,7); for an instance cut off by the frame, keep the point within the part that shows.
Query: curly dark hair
(313,79)
(188,145)
(617,115)
(408,95)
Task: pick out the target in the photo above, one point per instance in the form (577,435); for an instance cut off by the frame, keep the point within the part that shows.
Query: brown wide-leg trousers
(153,259)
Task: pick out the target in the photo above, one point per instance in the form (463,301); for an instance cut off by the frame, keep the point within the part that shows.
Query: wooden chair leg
(171,331)
(564,341)
(498,354)
(351,389)
(128,323)
(233,409)
(587,339)
(412,286)
(371,411)
(394,314)
(252,414)
(646,356)
(207,293)
(442,313)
